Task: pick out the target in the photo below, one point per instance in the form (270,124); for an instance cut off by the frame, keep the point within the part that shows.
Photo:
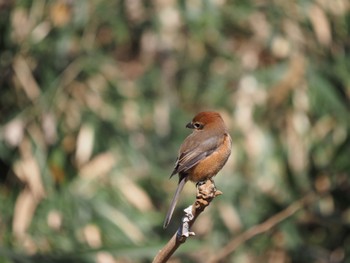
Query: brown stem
(263,227)
(206,192)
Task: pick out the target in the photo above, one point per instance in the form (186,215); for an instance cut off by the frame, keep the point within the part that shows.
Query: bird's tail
(180,186)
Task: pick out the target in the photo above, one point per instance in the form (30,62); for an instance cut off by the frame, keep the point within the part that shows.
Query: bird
(202,154)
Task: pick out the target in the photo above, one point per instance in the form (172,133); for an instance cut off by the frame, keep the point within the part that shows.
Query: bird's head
(204,119)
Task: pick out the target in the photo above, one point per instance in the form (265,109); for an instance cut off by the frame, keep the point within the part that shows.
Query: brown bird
(203,153)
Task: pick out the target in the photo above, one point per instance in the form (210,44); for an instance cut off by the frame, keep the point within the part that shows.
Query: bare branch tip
(218,192)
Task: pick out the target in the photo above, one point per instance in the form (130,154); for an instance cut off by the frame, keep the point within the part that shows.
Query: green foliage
(94,101)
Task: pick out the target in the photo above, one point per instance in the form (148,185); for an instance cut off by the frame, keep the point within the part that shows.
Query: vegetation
(94,100)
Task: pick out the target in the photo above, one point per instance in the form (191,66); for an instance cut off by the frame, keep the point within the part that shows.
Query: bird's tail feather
(180,186)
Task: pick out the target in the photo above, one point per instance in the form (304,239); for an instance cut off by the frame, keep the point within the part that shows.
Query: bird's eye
(197,125)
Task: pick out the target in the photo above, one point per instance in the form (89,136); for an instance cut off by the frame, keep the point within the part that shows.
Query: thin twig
(263,227)
(206,192)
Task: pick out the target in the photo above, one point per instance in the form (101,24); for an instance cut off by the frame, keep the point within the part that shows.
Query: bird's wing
(195,152)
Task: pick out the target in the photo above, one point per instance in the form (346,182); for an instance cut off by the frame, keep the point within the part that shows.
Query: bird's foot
(202,183)
(198,184)
(206,192)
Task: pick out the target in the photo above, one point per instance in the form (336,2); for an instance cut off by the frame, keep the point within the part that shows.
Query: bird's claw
(200,183)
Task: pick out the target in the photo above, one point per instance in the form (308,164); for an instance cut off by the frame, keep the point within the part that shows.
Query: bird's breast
(212,164)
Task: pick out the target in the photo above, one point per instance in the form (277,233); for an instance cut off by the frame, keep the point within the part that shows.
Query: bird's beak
(190,125)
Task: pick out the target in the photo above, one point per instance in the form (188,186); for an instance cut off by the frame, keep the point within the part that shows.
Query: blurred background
(95,96)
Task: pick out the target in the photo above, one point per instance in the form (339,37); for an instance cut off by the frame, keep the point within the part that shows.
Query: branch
(206,192)
(263,227)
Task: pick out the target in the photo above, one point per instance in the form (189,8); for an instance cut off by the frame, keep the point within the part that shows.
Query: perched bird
(203,153)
